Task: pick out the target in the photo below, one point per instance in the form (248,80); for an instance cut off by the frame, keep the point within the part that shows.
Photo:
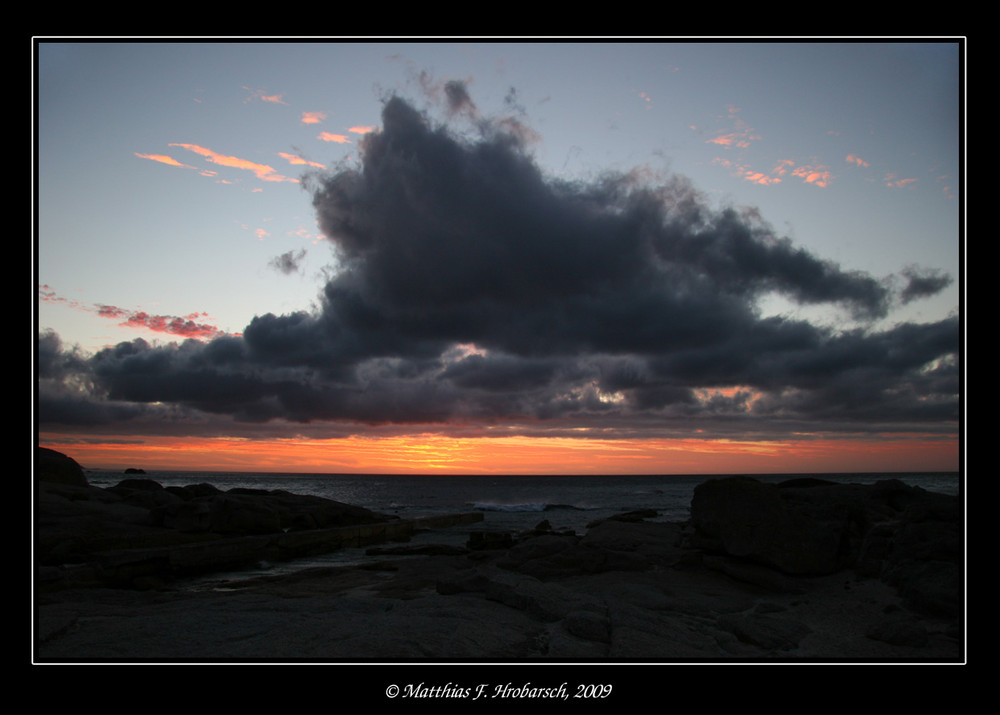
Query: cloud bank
(472,288)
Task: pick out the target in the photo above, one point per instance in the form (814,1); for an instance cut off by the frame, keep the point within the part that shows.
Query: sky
(642,256)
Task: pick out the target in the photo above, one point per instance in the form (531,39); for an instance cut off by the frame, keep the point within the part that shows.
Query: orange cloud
(757,177)
(47,295)
(313,117)
(748,174)
(259,94)
(182,326)
(817,176)
(892,181)
(330,137)
(163,159)
(783,166)
(857,160)
(298,160)
(262,171)
(738,139)
(361,130)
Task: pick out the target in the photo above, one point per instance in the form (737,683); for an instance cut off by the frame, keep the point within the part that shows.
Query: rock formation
(906,536)
(139,533)
(804,569)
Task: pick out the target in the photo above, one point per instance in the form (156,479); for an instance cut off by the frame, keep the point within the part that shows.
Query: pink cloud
(299,161)
(47,295)
(757,177)
(262,171)
(738,139)
(782,167)
(857,160)
(259,94)
(892,181)
(740,136)
(330,137)
(163,159)
(313,117)
(182,326)
(817,176)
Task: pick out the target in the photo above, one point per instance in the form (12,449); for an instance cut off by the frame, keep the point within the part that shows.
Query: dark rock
(544,528)
(297,511)
(933,587)
(754,574)
(899,629)
(194,516)
(746,518)
(147,485)
(418,550)
(193,491)
(588,625)
(56,467)
(800,482)
(907,537)
(145,493)
(135,470)
(601,550)
(462,583)
(140,532)
(765,631)
(875,549)
(631,516)
(490,540)
(628,535)
(232,514)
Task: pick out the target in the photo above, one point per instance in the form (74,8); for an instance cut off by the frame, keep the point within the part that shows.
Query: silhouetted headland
(801,570)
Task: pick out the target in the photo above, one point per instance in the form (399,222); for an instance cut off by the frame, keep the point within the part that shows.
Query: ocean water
(507,502)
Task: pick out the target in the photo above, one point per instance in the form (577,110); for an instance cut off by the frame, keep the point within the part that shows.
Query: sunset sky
(499,257)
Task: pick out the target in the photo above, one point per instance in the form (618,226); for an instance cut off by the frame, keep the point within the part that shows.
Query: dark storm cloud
(471,286)
(458,98)
(288,262)
(923,283)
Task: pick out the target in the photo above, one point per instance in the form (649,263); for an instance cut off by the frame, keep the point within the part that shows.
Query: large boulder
(203,508)
(908,537)
(746,518)
(144,493)
(56,467)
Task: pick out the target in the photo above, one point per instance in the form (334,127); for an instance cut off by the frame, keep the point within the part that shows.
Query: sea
(507,503)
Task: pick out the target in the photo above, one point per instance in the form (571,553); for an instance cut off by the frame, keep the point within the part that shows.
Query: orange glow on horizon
(438,454)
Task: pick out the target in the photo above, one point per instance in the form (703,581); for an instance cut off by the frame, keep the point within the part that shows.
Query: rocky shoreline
(804,571)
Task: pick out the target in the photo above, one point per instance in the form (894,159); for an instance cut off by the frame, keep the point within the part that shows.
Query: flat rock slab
(404,610)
